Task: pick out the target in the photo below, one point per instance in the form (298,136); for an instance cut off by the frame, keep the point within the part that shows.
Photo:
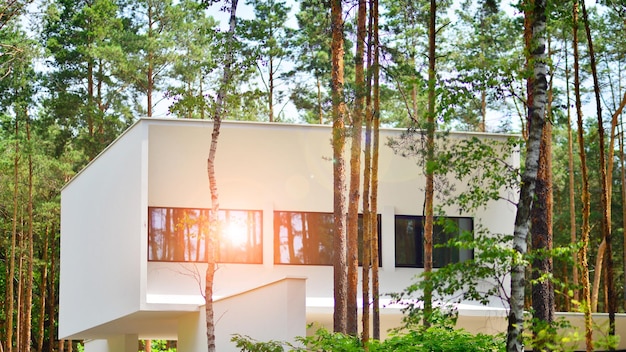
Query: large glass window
(307,238)
(410,241)
(180,235)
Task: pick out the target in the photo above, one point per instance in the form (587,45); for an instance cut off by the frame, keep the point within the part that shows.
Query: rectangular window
(307,238)
(410,241)
(180,235)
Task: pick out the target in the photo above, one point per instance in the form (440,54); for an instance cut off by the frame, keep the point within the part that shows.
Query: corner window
(409,241)
(180,235)
(307,238)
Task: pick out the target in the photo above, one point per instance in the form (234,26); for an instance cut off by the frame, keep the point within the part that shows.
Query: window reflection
(307,238)
(180,235)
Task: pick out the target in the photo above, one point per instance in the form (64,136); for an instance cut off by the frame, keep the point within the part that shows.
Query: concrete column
(388,238)
(192,332)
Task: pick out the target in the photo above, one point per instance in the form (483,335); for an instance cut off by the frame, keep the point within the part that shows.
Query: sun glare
(236,232)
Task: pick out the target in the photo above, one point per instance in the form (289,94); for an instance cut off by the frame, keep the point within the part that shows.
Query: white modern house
(134,221)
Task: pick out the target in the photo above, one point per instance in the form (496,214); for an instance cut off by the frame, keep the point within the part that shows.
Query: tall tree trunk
(430,156)
(44,288)
(605,179)
(536,121)
(623,183)
(52,296)
(215,206)
(340,271)
(584,231)
(367,179)
(150,59)
(355,172)
(571,184)
(29,252)
(367,232)
(20,286)
(374,189)
(9,309)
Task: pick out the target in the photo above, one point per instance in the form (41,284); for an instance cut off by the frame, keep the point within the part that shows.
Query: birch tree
(538,85)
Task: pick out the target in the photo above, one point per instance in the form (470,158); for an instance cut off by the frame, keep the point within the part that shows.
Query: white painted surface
(102,226)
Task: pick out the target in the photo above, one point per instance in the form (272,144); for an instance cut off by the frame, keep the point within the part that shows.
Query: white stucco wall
(272,167)
(275,311)
(103,214)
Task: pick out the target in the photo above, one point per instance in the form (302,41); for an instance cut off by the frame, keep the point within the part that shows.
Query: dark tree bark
(584,231)
(541,232)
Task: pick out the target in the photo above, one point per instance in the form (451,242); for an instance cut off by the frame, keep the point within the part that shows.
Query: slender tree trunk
(90,98)
(44,288)
(623,183)
(355,173)
(536,122)
(271,89)
(215,206)
(597,276)
(28,253)
(572,199)
(367,232)
(367,179)
(339,182)
(20,286)
(52,296)
(374,189)
(430,156)
(320,110)
(584,231)
(605,179)
(150,59)
(9,309)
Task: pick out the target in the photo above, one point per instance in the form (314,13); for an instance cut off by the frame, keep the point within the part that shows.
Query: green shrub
(442,339)
(434,339)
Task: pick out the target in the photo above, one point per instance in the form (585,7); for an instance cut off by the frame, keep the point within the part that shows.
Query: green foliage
(434,339)
(555,336)
(247,344)
(440,339)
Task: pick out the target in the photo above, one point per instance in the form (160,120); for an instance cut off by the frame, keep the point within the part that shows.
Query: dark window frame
(413,256)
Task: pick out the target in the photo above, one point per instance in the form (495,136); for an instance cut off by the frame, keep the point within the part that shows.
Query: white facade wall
(103,242)
(274,167)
